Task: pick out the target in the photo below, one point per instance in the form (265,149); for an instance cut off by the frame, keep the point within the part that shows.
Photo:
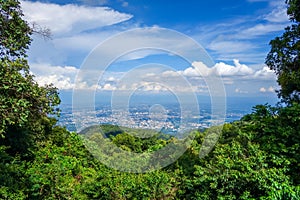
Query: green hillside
(254,158)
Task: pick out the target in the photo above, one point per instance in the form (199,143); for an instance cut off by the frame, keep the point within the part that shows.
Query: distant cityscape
(167,118)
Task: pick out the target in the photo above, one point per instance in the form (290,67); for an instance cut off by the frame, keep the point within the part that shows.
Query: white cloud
(202,70)
(265,73)
(62,77)
(111,79)
(70,18)
(278,15)
(139,54)
(152,87)
(150,39)
(238,90)
(230,74)
(236,45)
(230,46)
(220,69)
(108,87)
(74,30)
(262,29)
(263,90)
(271,89)
(61,82)
(80,45)
(238,69)
(46,69)
(236,76)
(170,74)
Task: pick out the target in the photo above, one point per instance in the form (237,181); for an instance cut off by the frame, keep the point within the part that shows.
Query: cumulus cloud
(265,73)
(271,89)
(107,86)
(75,30)
(62,77)
(111,79)
(202,70)
(47,69)
(70,18)
(156,79)
(152,87)
(238,69)
(61,82)
(263,89)
(220,69)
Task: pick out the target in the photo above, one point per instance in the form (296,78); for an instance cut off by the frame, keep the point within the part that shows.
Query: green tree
(284,56)
(24,105)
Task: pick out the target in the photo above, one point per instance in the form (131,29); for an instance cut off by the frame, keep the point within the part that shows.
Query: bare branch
(42,31)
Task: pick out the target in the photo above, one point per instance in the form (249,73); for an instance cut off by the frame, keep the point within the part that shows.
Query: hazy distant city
(166,118)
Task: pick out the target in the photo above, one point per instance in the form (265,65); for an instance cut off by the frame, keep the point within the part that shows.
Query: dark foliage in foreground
(256,157)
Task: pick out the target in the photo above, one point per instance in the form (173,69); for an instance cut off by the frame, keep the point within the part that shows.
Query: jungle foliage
(256,157)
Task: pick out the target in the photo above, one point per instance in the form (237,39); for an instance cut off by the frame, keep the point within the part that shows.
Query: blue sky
(235,33)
